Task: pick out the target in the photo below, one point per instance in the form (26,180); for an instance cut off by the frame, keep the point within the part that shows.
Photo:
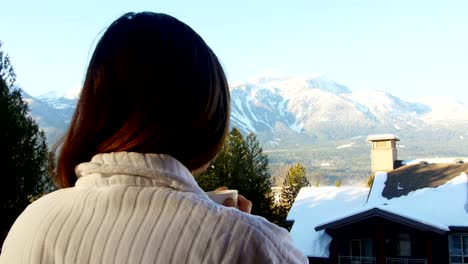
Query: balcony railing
(405,261)
(372,260)
(356,260)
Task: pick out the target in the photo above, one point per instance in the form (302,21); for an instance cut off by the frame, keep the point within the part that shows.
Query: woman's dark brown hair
(152,86)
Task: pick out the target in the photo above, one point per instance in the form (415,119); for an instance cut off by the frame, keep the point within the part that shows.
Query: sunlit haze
(410,49)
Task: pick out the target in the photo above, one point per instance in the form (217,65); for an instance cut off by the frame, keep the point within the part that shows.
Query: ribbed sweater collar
(149,169)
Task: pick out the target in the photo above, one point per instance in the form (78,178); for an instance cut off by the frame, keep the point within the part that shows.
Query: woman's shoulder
(29,223)
(267,242)
(44,204)
(235,218)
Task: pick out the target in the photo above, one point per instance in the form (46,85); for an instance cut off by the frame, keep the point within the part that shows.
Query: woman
(154,108)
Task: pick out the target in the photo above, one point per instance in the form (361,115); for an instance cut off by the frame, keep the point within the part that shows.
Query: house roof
(314,205)
(410,178)
(378,212)
(442,206)
(463,229)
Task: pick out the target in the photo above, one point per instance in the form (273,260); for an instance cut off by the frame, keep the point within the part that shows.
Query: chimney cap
(382,137)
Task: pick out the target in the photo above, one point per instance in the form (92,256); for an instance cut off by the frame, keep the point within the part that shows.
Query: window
(361,247)
(355,247)
(458,249)
(404,245)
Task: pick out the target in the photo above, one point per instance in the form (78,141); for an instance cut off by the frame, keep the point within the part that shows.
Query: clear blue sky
(408,48)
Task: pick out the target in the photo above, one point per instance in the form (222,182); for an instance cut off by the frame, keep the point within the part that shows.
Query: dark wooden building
(377,236)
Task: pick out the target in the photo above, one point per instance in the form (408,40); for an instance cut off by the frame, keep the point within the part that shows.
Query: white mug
(220,196)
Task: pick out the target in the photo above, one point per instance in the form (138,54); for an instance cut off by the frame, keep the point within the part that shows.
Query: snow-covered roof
(450,200)
(314,205)
(415,205)
(409,178)
(319,206)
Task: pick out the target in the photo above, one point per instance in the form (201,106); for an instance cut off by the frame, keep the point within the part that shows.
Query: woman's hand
(243,204)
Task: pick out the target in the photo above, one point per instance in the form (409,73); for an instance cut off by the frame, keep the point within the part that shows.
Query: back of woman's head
(152,86)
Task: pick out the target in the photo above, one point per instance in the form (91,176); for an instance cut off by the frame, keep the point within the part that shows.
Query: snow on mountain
(345,145)
(61,100)
(295,85)
(268,102)
(386,107)
(52,120)
(53,111)
(444,109)
(315,105)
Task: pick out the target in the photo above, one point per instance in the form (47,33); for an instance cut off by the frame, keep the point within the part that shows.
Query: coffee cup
(220,196)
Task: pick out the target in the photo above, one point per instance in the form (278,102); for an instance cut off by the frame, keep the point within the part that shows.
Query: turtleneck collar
(148,170)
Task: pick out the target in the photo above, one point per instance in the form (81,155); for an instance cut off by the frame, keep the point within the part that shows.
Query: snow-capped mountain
(59,100)
(321,108)
(312,108)
(52,111)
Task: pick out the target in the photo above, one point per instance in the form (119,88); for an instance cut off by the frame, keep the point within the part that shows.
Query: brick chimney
(383,152)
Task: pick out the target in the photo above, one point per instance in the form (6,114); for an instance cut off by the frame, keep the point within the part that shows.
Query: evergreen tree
(242,165)
(23,155)
(370,180)
(337,183)
(260,181)
(294,181)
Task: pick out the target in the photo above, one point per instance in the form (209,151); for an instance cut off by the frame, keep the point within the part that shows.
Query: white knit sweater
(141,208)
